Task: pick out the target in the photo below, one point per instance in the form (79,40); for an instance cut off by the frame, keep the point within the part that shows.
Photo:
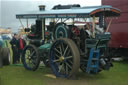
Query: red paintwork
(119,26)
(46,33)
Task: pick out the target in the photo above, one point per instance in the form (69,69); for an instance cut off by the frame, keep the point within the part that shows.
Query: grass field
(17,75)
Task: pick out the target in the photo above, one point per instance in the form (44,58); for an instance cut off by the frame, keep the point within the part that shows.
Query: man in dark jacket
(13,43)
(21,45)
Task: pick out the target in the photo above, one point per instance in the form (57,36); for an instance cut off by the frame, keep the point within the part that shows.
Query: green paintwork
(45,47)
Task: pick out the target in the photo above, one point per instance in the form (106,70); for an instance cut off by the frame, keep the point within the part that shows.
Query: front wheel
(64,58)
(30,57)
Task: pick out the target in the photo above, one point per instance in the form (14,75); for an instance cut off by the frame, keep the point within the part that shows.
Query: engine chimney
(42,7)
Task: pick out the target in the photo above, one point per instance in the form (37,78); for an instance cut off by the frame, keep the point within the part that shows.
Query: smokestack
(42,7)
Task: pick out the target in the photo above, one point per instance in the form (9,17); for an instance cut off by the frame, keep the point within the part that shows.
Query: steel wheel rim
(63,56)
(29,58)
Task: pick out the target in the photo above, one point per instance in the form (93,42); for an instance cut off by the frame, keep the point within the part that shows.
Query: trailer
(119,29)
(56,40)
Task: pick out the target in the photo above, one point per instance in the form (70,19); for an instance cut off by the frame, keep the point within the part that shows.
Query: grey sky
(9,8)
(0,12)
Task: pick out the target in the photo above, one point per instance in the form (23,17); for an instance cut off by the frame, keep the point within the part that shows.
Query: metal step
(93,66)
(96,59)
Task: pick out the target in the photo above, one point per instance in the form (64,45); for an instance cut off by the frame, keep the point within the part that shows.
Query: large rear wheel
(64,58)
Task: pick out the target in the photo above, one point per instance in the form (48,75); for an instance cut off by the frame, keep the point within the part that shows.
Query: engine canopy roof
(76,12)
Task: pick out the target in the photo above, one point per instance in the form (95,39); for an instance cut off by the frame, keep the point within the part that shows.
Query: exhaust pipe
(42,7)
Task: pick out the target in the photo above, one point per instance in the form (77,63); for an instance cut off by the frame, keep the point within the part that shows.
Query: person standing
(14,44)
(21,45)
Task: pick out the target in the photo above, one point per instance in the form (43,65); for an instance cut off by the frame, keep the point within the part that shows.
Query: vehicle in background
(4,52)
(6,36)
(119,28)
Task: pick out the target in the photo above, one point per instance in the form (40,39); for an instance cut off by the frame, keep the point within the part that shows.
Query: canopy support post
(21,23)
(93,29)
(109,25)
(27,22)
(43,28)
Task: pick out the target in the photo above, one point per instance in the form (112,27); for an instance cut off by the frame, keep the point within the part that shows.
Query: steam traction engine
(69,39)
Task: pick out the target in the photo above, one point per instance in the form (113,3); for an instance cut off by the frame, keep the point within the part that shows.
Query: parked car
(6,36)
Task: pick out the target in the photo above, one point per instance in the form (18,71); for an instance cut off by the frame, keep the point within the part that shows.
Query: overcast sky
(9,8)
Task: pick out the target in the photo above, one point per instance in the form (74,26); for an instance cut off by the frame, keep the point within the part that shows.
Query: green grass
(17,75)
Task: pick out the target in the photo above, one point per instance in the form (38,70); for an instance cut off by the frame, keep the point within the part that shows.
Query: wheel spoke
(69,57)
(57,51)
(29,58)
(68,52)
(56,60)
(31,50)
(60,67)
(68,65)
(57,55)
(33,62)
(62,45)
(65,50)
(60,50)
(66,69)
(70,61)
(32,53)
